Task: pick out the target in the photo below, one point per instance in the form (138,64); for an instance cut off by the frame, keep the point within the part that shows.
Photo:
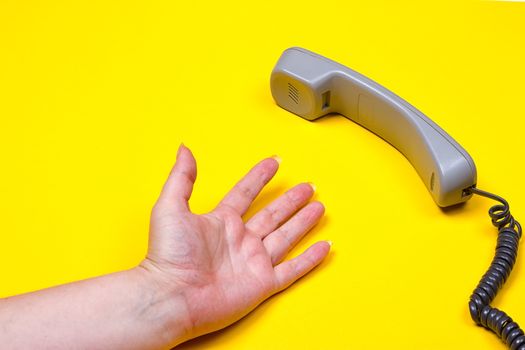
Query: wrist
(164,305)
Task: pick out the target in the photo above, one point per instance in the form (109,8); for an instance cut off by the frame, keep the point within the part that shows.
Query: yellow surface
(95,97)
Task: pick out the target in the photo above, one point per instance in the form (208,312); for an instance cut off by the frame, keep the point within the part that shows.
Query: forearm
(124,310)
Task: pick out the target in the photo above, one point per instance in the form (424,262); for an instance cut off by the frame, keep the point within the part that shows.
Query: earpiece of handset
(312,86)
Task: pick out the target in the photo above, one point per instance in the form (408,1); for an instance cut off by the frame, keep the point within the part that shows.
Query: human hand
(216,264)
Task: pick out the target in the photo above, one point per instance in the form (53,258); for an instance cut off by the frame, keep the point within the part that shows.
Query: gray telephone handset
(312,86)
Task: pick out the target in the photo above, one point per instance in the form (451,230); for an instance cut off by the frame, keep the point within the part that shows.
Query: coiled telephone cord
(509,234)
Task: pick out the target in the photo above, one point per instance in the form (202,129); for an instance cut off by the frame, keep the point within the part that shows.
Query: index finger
(241,196)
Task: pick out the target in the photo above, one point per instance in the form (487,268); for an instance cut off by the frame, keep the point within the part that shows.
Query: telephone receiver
(312,86)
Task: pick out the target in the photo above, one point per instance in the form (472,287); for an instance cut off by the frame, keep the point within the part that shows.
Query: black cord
(509,234)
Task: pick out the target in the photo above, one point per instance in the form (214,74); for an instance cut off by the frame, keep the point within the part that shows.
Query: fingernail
(277,158)
(330,242)
(312,185)
(180,147)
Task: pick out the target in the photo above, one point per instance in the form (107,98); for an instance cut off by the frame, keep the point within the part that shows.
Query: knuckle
(284,239)
(190,175)
(293,200)
(310,262)
(246,191)
(272,215)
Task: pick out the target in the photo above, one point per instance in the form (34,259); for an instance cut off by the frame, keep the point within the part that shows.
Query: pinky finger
(290,271)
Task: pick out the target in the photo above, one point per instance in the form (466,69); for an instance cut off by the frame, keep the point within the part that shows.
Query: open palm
(222,266)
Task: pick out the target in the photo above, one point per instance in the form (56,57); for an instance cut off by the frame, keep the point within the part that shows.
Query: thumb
(179,185)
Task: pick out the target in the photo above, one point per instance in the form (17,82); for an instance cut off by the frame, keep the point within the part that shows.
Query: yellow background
(95,97)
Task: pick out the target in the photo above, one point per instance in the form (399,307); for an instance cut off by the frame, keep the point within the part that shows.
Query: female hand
(218,266)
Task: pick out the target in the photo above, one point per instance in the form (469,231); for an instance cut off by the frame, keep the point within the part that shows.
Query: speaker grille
(293,93)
